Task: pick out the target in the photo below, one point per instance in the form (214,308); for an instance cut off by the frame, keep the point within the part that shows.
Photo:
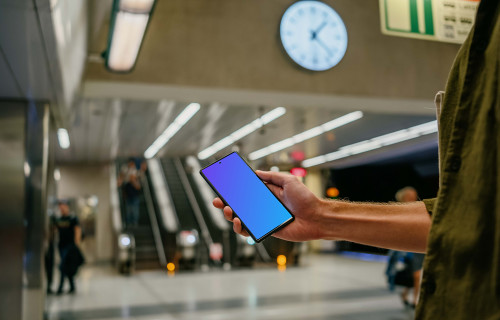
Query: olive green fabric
(429,204)
(462,268)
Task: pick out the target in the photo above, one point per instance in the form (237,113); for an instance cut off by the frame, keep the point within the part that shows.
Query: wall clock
(313,35)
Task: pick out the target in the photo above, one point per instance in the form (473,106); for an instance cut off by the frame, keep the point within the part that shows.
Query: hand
(303,204)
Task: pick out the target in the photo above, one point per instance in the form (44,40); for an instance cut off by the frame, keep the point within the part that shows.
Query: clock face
(313,35)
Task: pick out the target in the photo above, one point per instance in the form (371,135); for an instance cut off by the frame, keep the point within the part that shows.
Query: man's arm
(135,182)
(394,226)
(402,227)
(78,235)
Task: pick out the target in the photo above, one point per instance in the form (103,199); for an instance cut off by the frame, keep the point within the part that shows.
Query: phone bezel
(284,224)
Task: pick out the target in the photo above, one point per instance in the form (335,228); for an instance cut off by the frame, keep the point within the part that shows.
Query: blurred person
(461,278)
(143,168)
(49,257)
(129,180)
(407,194)
(70,236)
(141,173)
(409,277)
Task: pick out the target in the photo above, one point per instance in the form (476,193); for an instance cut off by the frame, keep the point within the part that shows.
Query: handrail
(163,196)
(263,252)
(115,201)
(154,223)
(206,194)
(194,204)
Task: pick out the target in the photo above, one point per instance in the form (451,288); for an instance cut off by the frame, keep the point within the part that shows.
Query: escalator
(190,227)
(220,229)
(167,232)
(146,251)
(146,256)
(181,203)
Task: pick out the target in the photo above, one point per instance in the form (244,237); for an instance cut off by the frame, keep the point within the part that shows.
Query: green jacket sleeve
(429,204)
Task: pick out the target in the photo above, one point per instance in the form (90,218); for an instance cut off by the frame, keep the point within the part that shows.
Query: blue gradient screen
(256,206)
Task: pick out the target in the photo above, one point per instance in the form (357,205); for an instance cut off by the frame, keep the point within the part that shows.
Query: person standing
(131,186)
(413,261)
(50,252)
(70,235)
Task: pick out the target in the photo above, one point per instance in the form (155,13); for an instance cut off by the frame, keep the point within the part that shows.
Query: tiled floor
(325,287)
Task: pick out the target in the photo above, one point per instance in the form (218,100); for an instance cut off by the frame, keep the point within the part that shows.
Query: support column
(12,200)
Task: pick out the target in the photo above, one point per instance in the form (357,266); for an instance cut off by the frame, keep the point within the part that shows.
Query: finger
(228,213)
(218,203)
(238,228)
(275,189)
(276,178)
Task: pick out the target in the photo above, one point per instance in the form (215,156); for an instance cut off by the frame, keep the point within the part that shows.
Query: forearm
(394,226)
(78,235)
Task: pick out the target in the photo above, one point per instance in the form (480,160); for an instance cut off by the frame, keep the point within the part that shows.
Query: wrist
(330,218)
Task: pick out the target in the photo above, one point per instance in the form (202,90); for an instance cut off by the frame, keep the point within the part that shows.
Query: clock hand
(314,33)
(323,45)
(320,27)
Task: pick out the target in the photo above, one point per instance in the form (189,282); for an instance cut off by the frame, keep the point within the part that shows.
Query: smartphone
(239,187)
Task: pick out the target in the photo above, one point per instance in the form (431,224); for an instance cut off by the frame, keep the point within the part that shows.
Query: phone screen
(251,200)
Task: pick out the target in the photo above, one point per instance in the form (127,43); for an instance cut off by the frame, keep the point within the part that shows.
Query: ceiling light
(27,169)
(172,129)
(63,137)
(374,143)
(306,135)
(129,21)
(242,132)
(57,174)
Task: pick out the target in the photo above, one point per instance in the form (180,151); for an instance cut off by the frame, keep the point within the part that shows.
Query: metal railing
(163,196)
(194,203)
(207,196)
(154,222)
(115,201)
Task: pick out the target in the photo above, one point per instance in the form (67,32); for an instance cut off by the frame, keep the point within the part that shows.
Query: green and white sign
(439,20)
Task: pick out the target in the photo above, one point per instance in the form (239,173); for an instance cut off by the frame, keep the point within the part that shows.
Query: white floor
(325,287)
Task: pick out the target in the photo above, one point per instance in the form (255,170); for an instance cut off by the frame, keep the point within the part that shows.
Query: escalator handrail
(154,222)
(163,196)
(207,194)
(115,201)
(205,233)
(263,252)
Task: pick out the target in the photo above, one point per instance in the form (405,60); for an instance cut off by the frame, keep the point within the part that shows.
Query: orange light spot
(170,266)
(281,260)
(332,192)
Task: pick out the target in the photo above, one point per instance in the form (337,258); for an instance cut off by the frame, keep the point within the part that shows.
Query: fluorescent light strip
(63,137)
(374,143)
(126,40)
(172,129)
(306,135)
(143,6)
(242,132)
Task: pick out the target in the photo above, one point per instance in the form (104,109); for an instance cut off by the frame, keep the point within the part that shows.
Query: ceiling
(103,129)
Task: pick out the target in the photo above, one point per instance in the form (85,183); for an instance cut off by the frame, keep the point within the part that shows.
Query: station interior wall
(82,180)
(236,45)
